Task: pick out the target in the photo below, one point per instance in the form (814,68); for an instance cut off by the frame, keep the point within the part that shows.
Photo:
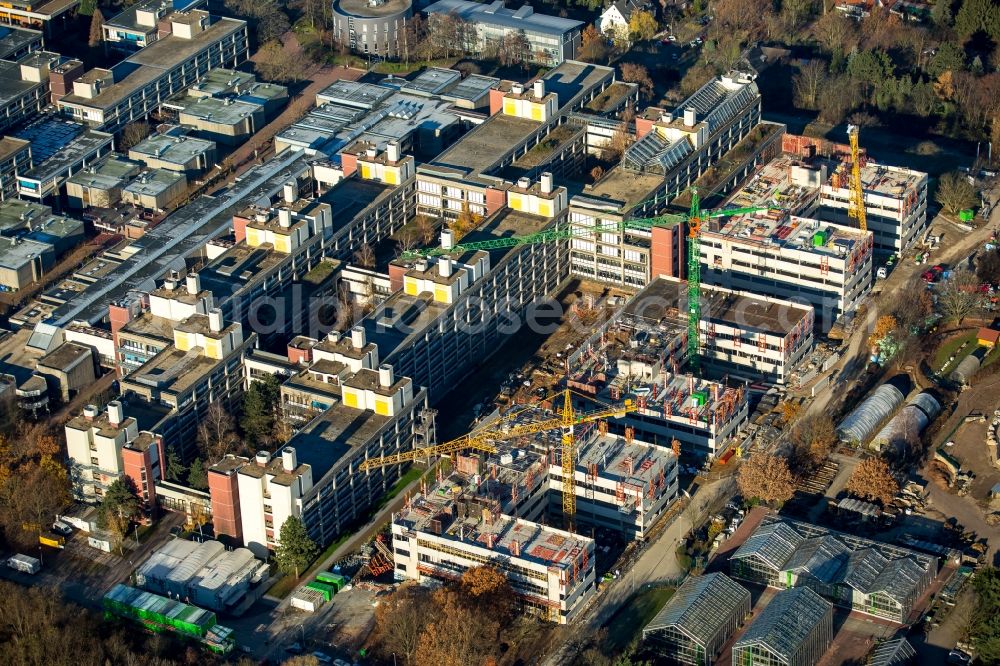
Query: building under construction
(492,509)
(639,355)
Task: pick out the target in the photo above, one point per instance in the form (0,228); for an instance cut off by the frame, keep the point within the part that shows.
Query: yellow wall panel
(350,398)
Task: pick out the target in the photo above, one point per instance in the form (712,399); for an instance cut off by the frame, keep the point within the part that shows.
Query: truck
(53,540)
(24,563)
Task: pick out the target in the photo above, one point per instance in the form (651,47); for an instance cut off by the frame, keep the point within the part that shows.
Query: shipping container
(325,589)
(159,614)
(331,578)
(53,540)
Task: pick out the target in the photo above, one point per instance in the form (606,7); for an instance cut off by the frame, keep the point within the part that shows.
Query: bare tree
(217,433)
(275,63)
(808,83)
(134,133)
(426,228)
(872,480)
(636,73)
(405,241)
(955,192)
(767,478)
(365,256)
(515,49)
(959,296)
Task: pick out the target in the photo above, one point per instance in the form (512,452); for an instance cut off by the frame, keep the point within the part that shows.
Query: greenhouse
(908,424)
(892,653)
(699,618)
(795,629)
(861,423)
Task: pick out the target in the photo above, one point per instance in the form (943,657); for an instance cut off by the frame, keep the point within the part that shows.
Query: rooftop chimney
(371,151)
(523,183)
(262,458)
(546,182)
(447,239)
(392,151)
(690,117)
(540,88)
(284,218)
(193,283)
(90,412)
(215,320)
(358,337)
(289,461)
(290,191)
(333,336)
(116,413)
(444,267)
(385,376)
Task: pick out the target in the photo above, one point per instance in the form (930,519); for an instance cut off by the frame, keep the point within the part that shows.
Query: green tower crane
(693,219)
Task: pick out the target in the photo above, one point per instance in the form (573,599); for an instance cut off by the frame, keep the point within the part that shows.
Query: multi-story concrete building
(202,365)
(175,150)
(226,121)
(782,252)
(15,43)
(673,150)
(24,87)
(138,26)
(100,185)
(109,99)
(316,476)
(15,156)
(375,27)
(156,190)
(741,334)
(105,446)
(550,570)
(49,16)
(472,174)
(59,149)
(548,40)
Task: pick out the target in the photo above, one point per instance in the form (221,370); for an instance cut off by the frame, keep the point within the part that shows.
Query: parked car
(59,527)
(322,657)
(882,273)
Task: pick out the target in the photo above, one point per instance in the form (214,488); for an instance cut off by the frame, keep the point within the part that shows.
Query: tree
(276,63)
(465,222)
(949,58)
(871,69)
(636,73)
(96,29)
(836,99)
(401,618)
(959,296)
(175,469)
(414,33)
(119,507)
(955,192)
(197,476)
(642,26)
(815,435)
(406,240)
(259,405)
(365,256)
(978,16)
(134,133)
(594,47)
(885,325)
(487,587)
(872,480)
(835,32)
(272,23)
(514,49)
(217,433)
(941,14)
(790,411)
(984,624)
(808,83)
(766,478)
(988,267)
(295,550)
(426,228)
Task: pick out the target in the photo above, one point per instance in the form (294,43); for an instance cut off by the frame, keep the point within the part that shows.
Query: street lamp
(137,535)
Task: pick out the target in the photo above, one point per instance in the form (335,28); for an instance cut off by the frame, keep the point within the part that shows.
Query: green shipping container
(700,397)
(331,578)
(820,238)
(966,215)
(323,588)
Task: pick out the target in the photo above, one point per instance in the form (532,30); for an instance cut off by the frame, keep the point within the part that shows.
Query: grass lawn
(950,346)
(626,625)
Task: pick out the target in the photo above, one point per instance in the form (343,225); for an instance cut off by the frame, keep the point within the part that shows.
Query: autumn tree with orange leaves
(766,478)
(872,480)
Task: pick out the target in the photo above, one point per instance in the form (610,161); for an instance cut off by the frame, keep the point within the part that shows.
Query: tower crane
(856,208)
(481,440)
(694,220)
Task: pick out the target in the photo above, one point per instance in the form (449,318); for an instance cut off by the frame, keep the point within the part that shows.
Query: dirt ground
(971,450)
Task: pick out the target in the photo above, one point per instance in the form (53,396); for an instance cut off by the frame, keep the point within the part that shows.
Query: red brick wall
(349,163)
(496,101)
(495,200)
(643,126)
(240,228)
(396,273)
(134,462)
(807,146)
(665,243)
(296,355)
(225,503)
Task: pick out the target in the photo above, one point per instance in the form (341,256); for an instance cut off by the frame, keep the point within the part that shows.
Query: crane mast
(856,208)
(694,280)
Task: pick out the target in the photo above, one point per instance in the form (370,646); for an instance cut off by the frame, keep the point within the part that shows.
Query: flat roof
(150,325)
(483,145)
(12,87)
(432,80)
(221,111)
(572,77)
(220,81)
(354,94)
(328,439)
(172,50)
(620,189)
(65,356)
(496,14)
(75,144)
(164,246)
(15,38)
(666,298)
(170,148)
(10,146)
(154,182)
(16,252)
(172,370)
(108,173)
(366,9)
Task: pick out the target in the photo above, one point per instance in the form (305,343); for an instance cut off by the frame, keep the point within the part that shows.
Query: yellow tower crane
(856,208)
(482,440)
